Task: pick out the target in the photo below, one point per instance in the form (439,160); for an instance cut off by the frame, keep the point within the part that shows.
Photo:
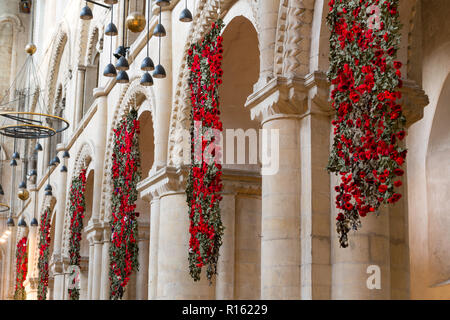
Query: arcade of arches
(280,240)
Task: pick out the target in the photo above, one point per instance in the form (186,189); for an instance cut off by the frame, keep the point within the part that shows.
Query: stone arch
(127,98)
(94,34)
(83,160)
(61,39)
(205,13)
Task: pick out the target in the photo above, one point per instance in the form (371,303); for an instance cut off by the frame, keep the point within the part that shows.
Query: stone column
(95,237)
(278,106)
(90,268)
(173,279)
(59,226)
(225,265)
(105,262)
(81,72)
(142,274)
(153,249)
(380,248)
(163,94)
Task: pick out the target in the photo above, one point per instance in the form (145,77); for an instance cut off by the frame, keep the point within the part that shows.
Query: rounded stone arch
(438,189)
(81,44)
(61,40)
(83,160)
(131,93)
(205,13)
(94,34)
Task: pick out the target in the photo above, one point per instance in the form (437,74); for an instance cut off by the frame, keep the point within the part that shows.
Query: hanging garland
(124,250)
(369,125)
(21,269)
(204,181)
(77,209)
(44,253)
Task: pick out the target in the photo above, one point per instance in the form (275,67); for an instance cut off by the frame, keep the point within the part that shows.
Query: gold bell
(135,22)
(30,49)
(23,194)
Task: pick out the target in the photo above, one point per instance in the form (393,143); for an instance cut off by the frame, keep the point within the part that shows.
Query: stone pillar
(278,106)
(173,279)
(142,274)
(105,262)
(95,237)
(225,265)
(90,268)
(153,249)
(163,94)
(81,72)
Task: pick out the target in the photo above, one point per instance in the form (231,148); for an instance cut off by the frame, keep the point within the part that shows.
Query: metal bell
(159,31)
(162,3)
(159,72)
(22,223)
(23,185)
(10,222)
(86,13)
(16,155)
(56,160)
(33,173)
(63,169)
(2,193)
(121,51)
(111,30)
(13,163)
(147,64)
(146,80)
(48,188)
(122,64)
(186,15)
(66,155)
(34,222)
(38,147)
(110,70)
(122,77)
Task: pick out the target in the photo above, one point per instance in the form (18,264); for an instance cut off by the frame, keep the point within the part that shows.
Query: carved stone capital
(57,263)
(94,231)
(241,182)
(165,180)
(413,101)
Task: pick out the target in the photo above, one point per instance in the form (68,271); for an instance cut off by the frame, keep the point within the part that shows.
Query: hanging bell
(66,155)
(111,30)
(23,185)
(63,169)
(86,13)
(48,188)
(10,222)
(34,222)
(33,173)
(186,15)
(159,72)
(147,64)
(159,31)
(56,160)
(38,147)
(146,80)
(122,64)
(111,1)
(110,70)
(122,77)
(13,163)
(2,193)
(121,51)
(162,3)
(16,155)
(22,223)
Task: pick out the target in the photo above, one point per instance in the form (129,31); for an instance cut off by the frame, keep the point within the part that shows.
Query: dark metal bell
(159,31)
(162,3)
(1,190)
(146,80)
(122,64)
(23,185)
(38,147)
(33,173)
(63,169)
(48,188)
(122,77)
(56,160)
(147,64)
(34,222)
(66,155)
(86,13)
(48,193)
(10,222)
(13,163)
(111,30)
(159,72)
(186,15)
(16,155)
(22,223)
(121,51)
(110,70)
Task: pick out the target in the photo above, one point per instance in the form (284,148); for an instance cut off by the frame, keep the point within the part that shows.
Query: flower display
(44,253)
(124,250)
(21,269)
(204,181)
(367,151)
(77,209)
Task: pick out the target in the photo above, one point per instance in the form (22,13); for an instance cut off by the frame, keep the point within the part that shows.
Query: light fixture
(23,193)
(146,80)
(48,190)
(122,64)
(66,155)
(86,13)
(34,222)
(56,160)
(38,147)
(2,193)
(10,222)
(147,64)
(162,3)
(186,15)
(159,72)
(16,155)
(13,163)
(159,30)
(111,30)
(135,22)
(63,169)
(121,51)
(111,1)
(22,223)
(33,173)
(122,77)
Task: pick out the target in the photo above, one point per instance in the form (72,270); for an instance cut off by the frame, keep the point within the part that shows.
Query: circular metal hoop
(30,125)
(3,207)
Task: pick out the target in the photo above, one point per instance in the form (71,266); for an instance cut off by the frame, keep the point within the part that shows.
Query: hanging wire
(159,41)
(148,24)
(110,48)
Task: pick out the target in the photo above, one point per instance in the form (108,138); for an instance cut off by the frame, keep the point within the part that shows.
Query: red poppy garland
(44,253)
(124,250)
(204,182)
(21,269)
(77,209)
(369,125)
